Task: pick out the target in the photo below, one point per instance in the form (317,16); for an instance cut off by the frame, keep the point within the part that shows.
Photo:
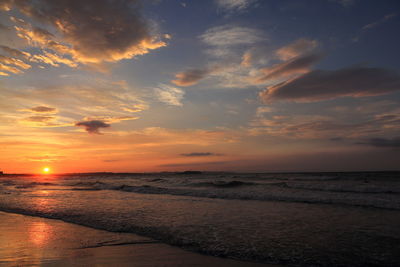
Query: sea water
(300,219)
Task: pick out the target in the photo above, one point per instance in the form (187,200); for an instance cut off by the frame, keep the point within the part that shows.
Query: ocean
(296,219)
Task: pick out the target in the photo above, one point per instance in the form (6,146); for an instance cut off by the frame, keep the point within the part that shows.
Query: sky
(215,85)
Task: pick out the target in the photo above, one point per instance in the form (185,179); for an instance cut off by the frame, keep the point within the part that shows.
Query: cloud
(382,142)
(45,121)
(46,158)
(92,31)
(229,35)
(247,59)
(14,61)
(325,127)
(323,85)
(234,5)
(136,107)
(93,126)
(40,118)
(193,164)
(297,48)
(225,45)
(345,3)
(82,98)
(10,69)
(262,110)
(200,154)
(15,52)
(169,94)
(53,60)
(190,77)
(42,109)
(110,119)
(379,22)
(5,5)
(299,65)
(35,35)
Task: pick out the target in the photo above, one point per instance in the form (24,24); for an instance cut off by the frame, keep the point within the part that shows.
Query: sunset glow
(46,170)
(251,86)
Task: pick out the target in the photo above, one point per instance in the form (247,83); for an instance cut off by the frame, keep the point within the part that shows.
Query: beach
(33,241)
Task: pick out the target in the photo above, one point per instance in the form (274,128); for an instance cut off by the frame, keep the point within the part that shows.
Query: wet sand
(33,241)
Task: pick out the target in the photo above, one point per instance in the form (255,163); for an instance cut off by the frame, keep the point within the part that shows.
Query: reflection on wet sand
(39,233)
(32,241)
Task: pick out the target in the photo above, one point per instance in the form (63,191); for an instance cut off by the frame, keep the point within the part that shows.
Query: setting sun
(46,170)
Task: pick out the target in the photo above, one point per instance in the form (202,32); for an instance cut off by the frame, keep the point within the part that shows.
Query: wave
(265,193)
(345,188)
(223,184)
(217,234)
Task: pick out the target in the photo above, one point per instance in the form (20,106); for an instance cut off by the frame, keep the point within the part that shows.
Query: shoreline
(29,240)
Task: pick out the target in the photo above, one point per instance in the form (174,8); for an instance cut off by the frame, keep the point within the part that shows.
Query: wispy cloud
(325,126)
(235,5)
(297,48)
(42,109)
(225,47)
(169,94)
(230,35)
(379,22)
(200,154)
(345,3)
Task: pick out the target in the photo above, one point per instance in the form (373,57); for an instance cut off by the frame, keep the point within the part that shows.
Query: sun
(46,170)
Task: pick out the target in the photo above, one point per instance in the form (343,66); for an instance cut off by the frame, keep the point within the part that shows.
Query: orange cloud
(9,69)
(190,77)
(100,30)
(297,48)
(283,70)
(14,61)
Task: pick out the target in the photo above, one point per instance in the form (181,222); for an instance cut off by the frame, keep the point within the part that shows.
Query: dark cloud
(194,164)
(298,65)
(317,127)
(190,77)
(3,27)
(200,154)
(322,85)
(382,142)
(94,30)
(14,52)
(43,109)
(93,126)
